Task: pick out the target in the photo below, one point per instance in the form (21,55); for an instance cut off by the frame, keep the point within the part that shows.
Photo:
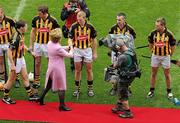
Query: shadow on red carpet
(83,113)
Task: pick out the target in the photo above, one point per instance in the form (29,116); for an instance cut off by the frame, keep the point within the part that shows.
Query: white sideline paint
(19,9)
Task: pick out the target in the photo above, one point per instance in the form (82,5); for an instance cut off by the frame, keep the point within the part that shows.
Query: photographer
(126,65)
(122,73)
(121,28)
(69,15)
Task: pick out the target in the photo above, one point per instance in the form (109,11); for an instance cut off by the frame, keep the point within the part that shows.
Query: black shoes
(117,108)
(126,115)
(64,108)
(33,98)
(150,94)
(36,85)
(8,100)
(41,101)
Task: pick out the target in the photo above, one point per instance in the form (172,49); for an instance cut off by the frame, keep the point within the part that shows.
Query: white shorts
(156,61)
(20,63)
(40,49)
(3,47)
(85,54)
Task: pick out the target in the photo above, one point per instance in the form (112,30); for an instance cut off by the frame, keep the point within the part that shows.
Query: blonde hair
(55,34)
(1,8)
(162,20)
(82,13)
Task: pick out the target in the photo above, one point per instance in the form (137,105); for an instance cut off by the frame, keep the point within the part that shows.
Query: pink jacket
(56,67)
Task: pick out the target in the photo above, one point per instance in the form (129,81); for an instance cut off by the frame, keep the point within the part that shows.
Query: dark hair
(20,24)
(43,9)
(121,14)
(162,20)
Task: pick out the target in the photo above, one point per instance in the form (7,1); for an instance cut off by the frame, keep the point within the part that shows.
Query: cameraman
(121,27)
(125,62)
(69,15)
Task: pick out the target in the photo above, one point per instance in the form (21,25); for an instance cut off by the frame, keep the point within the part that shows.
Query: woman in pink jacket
(56,72)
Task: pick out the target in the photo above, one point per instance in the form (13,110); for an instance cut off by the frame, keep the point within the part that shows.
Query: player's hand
(31,48)
(33,54)
(71,50)
(94,56)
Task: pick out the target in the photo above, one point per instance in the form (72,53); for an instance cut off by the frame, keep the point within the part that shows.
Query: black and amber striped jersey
(82,36)
(162,42)
(127,29)
(17,45)
(43,28)
(6,30)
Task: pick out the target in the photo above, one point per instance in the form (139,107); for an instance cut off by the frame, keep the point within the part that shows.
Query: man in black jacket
(69,13)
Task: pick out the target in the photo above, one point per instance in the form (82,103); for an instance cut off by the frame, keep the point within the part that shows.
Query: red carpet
(83,113)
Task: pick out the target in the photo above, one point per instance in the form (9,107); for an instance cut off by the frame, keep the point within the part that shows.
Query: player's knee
(153,74)
(78,71)
(89,70)
(78,68)
(11,79)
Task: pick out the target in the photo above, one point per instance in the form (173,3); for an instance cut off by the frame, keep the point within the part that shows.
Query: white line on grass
(19,10)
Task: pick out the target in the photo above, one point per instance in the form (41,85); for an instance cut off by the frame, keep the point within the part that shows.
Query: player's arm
(94,42)
(151,46)
(94,48)
(173,49)
(12,23)
(70,42)
(172,43)
(33,33)
(32,38)
(150,40)
(70,37)
(13,30)
(9,54)
(29,51)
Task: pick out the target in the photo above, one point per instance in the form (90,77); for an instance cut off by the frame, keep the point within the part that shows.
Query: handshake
(70,48)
